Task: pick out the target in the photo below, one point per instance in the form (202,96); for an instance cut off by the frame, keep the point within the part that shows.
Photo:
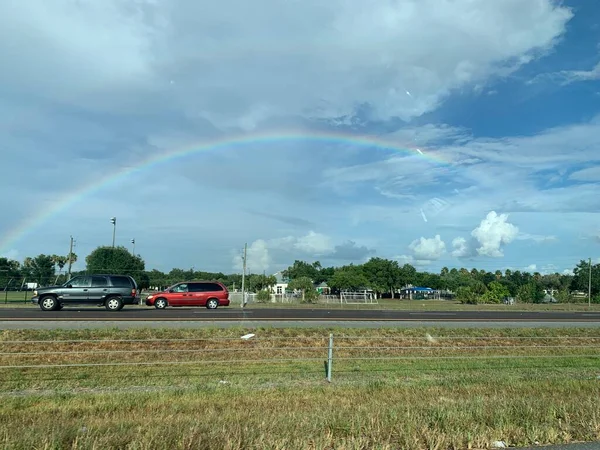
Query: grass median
(208,388)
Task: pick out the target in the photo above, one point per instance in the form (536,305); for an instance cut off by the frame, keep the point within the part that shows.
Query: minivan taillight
(133,292)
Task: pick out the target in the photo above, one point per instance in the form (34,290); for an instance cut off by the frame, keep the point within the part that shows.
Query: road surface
(292,314)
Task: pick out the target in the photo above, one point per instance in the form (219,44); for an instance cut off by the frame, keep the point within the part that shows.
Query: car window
(210,287)
(99,282)
(124,282)
(180,288)
(81,282)
(195,287)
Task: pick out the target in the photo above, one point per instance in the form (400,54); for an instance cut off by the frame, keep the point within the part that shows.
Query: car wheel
(212,303)
(49,303)
(160,303)
(114,304)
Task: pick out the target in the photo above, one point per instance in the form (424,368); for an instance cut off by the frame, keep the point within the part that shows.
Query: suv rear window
(122,282)
(205,287)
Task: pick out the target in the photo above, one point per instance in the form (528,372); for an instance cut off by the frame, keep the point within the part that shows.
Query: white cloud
(236,64)
(538,238)
(531,268)
(589,174)
(314,243)
(565,77)
(461,248)
(257,258)
(409,259)
(493,233)
(428,249)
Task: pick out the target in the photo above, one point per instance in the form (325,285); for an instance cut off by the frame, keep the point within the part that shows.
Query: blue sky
(506,92)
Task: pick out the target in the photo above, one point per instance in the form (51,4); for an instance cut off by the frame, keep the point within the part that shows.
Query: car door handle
(85,290)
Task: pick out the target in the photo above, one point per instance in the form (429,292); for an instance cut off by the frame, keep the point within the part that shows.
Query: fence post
(330,357)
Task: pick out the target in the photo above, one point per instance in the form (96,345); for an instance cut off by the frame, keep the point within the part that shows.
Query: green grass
(392,388)
(433,305)
(15,296)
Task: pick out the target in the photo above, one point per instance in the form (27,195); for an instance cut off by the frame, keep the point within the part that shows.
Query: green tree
(581,278)
(465,294)
(60,261)
(9,272)
(40,269)
(305,285)
(531,292)
(116,260)
(495,293)
(383,275)
(407,275)
(257,283)
(303,269)
(348,278)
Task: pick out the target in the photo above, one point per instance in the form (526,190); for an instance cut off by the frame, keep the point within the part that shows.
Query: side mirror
(69,285)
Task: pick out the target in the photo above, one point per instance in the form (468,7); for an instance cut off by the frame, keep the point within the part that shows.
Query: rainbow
(365,141)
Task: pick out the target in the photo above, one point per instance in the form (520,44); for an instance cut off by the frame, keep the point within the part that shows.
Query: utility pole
(590,286)
(133,251)
(113,220)
(70,258)
(244,275)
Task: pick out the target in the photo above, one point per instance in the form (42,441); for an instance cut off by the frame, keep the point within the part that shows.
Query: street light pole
(590,286)
(133,251)
(113,220)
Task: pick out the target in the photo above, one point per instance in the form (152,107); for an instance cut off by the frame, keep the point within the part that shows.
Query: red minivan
(210,294)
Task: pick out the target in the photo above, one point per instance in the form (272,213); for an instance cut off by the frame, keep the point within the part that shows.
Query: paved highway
(296,314)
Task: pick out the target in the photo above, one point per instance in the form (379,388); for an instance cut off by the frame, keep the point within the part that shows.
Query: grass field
(208,389)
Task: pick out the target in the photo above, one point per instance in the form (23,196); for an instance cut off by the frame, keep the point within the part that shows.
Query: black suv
(110,291)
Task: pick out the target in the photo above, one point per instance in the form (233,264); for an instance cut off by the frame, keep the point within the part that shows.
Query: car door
(77,290)
(98,289)
(197,294)
(178,295)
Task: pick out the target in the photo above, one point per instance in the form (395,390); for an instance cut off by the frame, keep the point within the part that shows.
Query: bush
(466,296)
(263,296)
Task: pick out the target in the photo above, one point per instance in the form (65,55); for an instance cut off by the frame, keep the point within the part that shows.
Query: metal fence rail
(103,360)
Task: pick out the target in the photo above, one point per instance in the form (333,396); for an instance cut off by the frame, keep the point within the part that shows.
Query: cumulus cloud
(266,254)
(311,58)
(257,258)
(461,247)
(410,259)
(487,239)
(428,249)
(351,251)
(493,233)
(314,243)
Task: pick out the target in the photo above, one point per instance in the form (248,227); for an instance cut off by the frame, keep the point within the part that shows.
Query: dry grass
(461,389)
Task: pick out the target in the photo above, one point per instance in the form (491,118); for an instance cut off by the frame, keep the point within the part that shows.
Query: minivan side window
(180,288)
(211,287)
(195,287)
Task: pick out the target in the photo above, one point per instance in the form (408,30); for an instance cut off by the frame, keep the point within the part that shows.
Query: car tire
(114,304)
(160,303)
(212,303)
(49,303)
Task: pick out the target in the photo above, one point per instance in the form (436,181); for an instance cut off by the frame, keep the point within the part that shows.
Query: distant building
(281,285)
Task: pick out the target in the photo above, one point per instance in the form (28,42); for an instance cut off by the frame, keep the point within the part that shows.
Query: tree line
(383,276)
